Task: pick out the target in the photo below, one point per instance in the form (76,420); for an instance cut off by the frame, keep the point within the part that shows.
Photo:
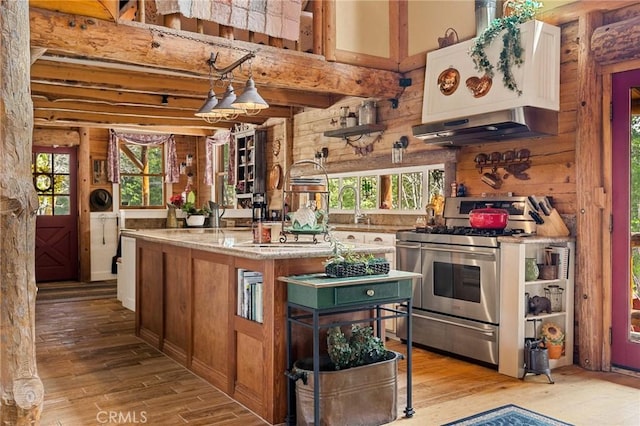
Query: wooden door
(625,348)
(54,177)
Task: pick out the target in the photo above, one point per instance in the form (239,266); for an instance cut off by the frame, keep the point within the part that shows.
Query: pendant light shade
(208,105)
(230,106)
(225,106)
(250,100)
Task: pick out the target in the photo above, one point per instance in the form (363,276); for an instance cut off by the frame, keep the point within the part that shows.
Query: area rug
(511,415)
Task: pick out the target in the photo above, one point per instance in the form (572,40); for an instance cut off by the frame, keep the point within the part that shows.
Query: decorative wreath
(552,333)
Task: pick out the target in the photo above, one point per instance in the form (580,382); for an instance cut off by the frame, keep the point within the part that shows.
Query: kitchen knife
(536,217)
(534,202)
(545,209)
(547,203)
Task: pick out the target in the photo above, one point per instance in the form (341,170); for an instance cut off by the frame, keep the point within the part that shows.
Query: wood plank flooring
(74,290)
(95,371)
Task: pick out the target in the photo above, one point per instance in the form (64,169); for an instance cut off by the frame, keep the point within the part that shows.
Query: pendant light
(205,111)
(225,107)
(250,100)
(230,106)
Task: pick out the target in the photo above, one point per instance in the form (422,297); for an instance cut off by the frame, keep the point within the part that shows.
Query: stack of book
(250,295)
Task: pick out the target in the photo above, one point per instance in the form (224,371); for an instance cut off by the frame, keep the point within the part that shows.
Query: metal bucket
(364,395)
(485,13)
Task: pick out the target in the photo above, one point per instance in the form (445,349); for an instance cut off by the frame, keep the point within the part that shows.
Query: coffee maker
(259,207)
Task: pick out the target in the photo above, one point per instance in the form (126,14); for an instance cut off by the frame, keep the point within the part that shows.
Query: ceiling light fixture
(230,106)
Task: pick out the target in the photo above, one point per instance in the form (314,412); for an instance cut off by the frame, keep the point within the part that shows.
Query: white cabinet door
(127,273)
(385,240)
(349,237)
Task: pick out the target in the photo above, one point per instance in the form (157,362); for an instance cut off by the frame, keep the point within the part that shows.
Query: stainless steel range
(457,304)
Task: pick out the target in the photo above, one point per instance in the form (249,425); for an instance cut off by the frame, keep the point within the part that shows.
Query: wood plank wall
(310,125)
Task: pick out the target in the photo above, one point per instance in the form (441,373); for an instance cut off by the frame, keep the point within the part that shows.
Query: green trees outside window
(141,176)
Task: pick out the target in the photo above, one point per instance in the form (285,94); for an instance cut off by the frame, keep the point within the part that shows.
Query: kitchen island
(196,292)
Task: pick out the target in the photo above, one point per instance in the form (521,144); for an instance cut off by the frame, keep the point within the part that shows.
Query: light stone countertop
(239,242)
(534,239)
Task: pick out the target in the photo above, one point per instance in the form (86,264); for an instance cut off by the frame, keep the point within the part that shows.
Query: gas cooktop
(467,230)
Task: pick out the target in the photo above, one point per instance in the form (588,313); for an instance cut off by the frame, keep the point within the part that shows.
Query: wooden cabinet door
(149,295)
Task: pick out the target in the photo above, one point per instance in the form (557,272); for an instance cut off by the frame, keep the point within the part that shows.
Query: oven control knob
(370,292)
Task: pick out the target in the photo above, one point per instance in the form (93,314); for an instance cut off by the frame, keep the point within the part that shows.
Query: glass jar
(554,294)
(531,270)
(367,113)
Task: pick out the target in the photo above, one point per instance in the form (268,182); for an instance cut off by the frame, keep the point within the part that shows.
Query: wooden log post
(589,292)
(21,389)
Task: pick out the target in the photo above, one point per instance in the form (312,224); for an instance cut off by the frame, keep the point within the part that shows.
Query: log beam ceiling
(112,74)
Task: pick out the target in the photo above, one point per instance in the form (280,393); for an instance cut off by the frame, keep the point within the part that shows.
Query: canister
(367,112)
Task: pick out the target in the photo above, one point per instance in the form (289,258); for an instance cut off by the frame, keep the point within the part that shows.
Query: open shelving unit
(516,323)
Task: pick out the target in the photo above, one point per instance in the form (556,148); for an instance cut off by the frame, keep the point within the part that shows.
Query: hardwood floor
(76,290)
(95,371)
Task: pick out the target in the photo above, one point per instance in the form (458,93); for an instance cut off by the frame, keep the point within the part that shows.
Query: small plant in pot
(195,216)
(344,262)
(553,338)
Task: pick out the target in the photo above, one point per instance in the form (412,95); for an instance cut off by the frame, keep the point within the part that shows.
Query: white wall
(104,244)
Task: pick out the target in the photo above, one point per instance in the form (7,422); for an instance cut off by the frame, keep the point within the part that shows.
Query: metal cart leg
(409,411)
(291,400)
(316,368)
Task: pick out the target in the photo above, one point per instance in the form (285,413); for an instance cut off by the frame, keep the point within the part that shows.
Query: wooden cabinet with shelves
(516,322)
(250,160)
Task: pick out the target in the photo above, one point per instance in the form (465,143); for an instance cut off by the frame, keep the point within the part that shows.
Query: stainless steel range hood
(514,123)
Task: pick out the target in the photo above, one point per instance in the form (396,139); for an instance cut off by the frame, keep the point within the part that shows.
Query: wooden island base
(186,306)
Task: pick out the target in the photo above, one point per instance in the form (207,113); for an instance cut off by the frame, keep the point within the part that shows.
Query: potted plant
(553,338)
(195,216)
(358,380)
(512,51)
(173,206)
(346,263)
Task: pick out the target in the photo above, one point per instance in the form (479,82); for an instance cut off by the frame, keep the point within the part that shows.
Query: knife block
(553,226)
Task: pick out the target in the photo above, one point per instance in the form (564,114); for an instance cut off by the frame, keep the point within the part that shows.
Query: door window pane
(51,181)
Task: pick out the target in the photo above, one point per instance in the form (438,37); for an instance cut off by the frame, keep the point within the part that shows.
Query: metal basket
(344,270)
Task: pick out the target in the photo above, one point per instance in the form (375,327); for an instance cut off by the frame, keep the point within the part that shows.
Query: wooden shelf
(355,131)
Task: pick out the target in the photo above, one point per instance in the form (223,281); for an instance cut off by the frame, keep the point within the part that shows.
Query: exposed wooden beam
(101,9)
(617,42)
(76,73)
(65,97)
(573,11)
(75,118)
(158,112)
(56,137)
(152,46)
(189,131)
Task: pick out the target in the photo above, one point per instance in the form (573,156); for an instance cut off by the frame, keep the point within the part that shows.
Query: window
(141,175)
(51,179)
(406,189)
(228,192)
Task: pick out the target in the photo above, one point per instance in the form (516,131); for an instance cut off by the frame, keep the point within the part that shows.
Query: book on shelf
(563,260)
(249,294)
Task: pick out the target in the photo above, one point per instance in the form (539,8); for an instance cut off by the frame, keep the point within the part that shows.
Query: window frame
(161,175)
(425,169)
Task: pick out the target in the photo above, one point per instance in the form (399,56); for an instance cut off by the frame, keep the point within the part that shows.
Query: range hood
(461,107)
(519,122)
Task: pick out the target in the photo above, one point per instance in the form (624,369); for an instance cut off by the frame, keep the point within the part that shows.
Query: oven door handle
(467,253)
(470,327)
